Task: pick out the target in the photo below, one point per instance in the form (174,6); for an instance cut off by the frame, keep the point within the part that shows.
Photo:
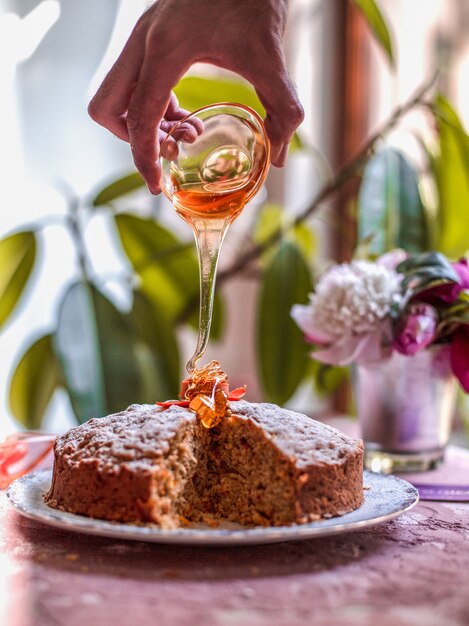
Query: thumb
(147,107)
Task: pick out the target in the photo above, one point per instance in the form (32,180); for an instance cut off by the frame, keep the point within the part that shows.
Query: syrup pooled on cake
(207,392)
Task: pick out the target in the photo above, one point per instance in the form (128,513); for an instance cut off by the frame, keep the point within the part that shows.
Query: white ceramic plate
(386,497)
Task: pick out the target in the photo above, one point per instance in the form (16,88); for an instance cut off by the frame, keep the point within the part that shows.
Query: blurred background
(93,314)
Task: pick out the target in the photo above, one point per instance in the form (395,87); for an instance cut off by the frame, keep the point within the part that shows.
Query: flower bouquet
(403,321)
(361,312)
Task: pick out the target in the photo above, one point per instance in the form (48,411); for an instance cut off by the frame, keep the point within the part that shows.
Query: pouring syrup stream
(209,182)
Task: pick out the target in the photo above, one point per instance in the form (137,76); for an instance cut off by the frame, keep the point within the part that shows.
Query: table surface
(411,571)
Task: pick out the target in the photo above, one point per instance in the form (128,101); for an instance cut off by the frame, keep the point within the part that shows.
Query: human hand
(135,100)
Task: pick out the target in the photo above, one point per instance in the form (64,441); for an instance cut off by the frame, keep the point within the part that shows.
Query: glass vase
(405,407)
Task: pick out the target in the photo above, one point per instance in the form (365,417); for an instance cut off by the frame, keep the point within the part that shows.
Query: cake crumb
(210,521)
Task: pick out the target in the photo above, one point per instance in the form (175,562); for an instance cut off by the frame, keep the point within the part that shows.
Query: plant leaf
(457,313)
(426,270)
(17,256)
(390,209)
(429,260)
(118,188)
(281,350)
(167,268)
(97,350)
(157,349)
(33,383)
(452,178)
(378,25)
(194,92)
(328,378)
(269,219)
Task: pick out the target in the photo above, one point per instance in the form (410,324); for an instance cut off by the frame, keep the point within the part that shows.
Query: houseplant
(403,322)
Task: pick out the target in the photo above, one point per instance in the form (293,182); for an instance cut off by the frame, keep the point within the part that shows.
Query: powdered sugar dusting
(306,440)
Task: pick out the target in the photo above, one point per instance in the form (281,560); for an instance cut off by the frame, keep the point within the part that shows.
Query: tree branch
(335,183)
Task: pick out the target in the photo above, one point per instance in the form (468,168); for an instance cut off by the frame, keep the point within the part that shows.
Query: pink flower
(460,356)
(391,259)
(365,349)
(462,270)
(416,330)
(348,315)
(447,292)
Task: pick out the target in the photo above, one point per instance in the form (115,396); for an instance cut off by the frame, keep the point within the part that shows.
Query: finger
(175,113)
(282,156)
(168,146)
(283,114)
(184,132)
(277,93)
(147,106)
(109,105)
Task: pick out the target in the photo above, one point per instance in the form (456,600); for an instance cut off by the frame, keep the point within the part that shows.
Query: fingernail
(170,151)
(154,189)
(281,158)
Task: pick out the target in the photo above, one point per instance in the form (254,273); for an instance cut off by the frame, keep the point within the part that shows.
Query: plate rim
(200,536)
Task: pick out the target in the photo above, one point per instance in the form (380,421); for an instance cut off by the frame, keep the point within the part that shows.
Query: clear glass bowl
(216,174)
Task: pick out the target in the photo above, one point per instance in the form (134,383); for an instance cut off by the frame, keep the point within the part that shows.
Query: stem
(77,237)
(341,177)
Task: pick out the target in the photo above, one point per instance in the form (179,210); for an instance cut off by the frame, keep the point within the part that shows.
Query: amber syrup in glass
(209,204)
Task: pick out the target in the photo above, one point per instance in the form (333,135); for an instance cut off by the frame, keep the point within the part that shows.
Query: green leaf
(269,219)
(456,315)
(97,350)
(17,256)
(118,188)
(390,209)
(282,353)
(378,25)
(296,143)
(445,113)
(452,178)
(429,260)
(426,270)
(427,192)
(195,92)
(33,383)
(328,378)
(168,269)
(304,238)
(157,349)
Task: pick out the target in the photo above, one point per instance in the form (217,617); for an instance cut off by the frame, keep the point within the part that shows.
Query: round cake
(260,465)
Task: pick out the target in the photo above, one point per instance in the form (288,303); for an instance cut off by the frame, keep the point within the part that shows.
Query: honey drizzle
(207,392)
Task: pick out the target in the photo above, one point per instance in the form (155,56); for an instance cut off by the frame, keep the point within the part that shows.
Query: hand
(135,100)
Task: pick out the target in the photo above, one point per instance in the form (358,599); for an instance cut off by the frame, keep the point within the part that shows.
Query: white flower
(351,304)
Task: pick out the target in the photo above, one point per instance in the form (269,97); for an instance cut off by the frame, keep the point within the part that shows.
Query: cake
(259,465)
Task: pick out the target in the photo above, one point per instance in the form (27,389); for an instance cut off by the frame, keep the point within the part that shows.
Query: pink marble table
(408,572)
